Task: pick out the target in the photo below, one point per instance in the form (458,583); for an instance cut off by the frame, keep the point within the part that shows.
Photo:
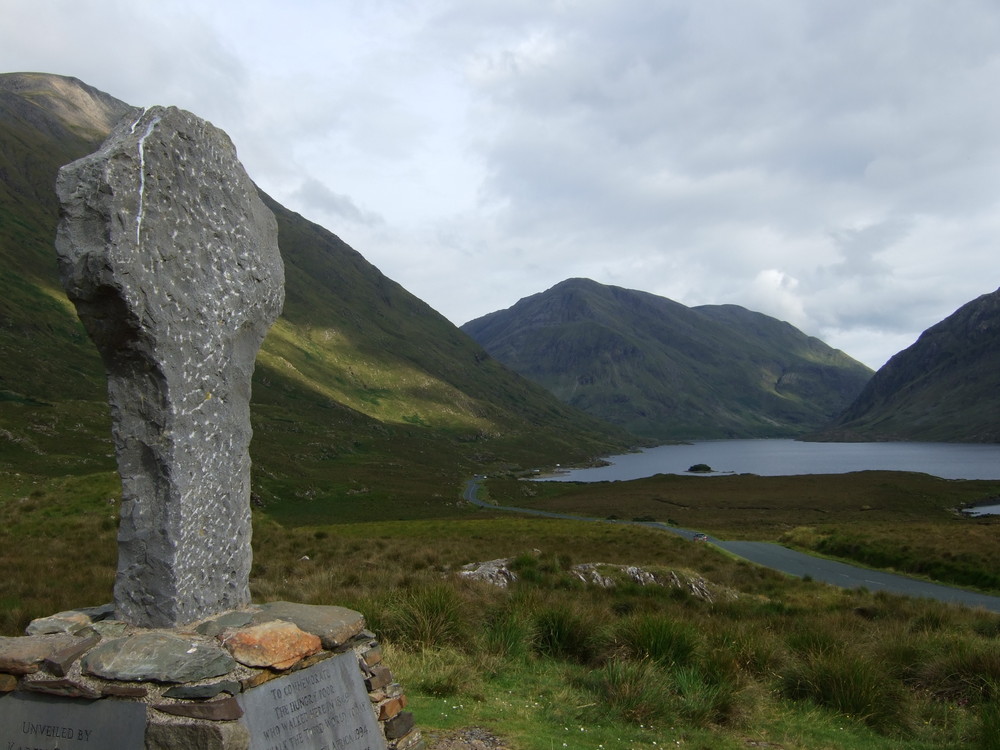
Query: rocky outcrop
(605,575)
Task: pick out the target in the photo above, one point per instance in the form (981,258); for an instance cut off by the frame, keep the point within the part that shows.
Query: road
(789,561)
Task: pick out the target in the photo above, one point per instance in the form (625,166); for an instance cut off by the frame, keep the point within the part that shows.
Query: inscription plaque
(33,722)
(324,707)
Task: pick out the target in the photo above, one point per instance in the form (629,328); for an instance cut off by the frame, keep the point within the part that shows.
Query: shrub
(509,634)
(659,638)
(854,685)
(988,727)
(428,616)
(637,690)
(564,633)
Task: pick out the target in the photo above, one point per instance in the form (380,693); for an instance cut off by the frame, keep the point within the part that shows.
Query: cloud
(318,198)
(798,157)
(142,53)
(832,162)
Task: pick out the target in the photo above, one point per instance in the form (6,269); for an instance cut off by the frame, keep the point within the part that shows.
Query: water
(791,457)
(983,510)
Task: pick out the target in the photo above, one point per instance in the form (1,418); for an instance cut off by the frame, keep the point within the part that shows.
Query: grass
(799,663)
(895,520)
(959,553)
(770,659)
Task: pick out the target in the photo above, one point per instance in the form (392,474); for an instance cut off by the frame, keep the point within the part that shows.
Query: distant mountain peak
(666,371)
(941,388)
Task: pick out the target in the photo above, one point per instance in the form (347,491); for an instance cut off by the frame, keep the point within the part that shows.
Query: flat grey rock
(108,628)
(217,625)
(60,660)
(203,692)
(172,261)
(63,622)
(333,625)
(224,709)
(158,657)
(62,688)
(70,621)
(25,654)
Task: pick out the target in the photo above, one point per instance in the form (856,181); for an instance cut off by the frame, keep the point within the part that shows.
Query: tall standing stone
(172,262)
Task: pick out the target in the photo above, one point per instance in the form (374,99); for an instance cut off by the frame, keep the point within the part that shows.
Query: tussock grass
(657,637)
(987,735)
(509,634)
(850,683)
(638,691)
(565,631)
(896,520)
(428,616)
(871,670)
(800,663)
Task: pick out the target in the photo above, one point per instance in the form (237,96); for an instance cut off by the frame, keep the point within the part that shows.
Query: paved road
(789,561)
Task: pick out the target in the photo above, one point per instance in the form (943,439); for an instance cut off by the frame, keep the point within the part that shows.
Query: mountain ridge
(943,387)
(357,378)
(666,371)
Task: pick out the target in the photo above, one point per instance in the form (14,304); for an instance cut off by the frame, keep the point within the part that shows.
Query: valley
(370,410)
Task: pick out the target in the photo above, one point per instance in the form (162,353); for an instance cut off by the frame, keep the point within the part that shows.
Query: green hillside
(666,371)
(942,388)
(362,391)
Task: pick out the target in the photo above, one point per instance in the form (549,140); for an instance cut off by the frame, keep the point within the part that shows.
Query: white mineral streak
(138,119)
(142,171)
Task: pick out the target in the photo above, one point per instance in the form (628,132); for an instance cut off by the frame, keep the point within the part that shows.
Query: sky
(832,163)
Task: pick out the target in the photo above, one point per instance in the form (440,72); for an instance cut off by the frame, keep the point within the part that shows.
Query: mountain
(358,385)
(665,371)
(942,388)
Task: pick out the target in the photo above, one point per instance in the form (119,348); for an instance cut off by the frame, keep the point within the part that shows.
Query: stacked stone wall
(192,682)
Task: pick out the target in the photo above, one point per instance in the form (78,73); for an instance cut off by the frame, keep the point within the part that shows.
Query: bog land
(762,659)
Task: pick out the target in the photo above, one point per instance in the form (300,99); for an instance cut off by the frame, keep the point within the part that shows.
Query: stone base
(278,675)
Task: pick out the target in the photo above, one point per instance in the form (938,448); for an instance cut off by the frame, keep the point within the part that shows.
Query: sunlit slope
(357,372)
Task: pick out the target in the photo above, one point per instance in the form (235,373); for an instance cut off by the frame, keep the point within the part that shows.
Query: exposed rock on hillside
(605,575)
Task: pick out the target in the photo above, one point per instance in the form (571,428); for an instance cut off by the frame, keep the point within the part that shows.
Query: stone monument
(172,261)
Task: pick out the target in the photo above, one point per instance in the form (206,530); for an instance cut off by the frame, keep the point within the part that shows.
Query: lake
(790,457)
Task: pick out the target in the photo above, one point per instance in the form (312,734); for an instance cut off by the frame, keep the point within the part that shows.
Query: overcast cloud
(834,163)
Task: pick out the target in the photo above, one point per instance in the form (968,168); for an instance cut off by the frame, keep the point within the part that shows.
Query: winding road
(788,561)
